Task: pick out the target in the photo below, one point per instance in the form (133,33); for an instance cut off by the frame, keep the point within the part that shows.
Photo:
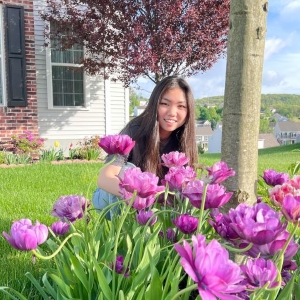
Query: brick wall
(14,120)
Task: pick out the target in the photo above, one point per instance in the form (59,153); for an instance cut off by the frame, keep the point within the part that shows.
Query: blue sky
(281,73)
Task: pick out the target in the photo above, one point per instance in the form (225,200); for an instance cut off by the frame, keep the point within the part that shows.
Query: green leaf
(11,292)
(48,286)
(37,285)
(287,291)
(102,281)
(65,288)
(79,271)
(121,295)
(154,290)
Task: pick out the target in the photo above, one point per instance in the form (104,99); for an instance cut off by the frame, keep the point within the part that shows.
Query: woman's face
(172,111)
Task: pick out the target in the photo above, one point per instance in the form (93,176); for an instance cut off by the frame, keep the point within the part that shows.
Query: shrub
(27,143)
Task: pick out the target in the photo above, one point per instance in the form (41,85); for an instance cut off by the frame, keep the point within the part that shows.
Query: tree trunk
(242,98)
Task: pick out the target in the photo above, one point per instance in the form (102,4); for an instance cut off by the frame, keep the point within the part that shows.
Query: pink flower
(219,172)
(278,193)
(25,236)
(144,216)
(291,208)
(170,235)
(144,183)
(139,203)
(174,159)
(70,207)
(295,182)
(177,178)
(119,266)
(216,195)
(60,228)
(259,224)
(271,177)
(117,144)
(258,272)
(210,267)
(185,223)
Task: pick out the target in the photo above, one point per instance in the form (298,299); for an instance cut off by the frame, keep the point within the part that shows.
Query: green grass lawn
(30,191)
(277,158)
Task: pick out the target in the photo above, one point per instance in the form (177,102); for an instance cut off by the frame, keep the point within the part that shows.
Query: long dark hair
(146,154)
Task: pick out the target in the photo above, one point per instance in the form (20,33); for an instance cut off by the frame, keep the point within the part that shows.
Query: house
(202,123)
(265,140)
(138,110)
(40,93)
(286,132)
(215,140)
(202,136)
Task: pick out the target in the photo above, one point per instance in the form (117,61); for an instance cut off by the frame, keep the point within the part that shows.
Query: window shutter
(16,60)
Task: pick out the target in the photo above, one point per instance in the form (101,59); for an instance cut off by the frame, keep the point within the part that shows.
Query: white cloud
(291,11)
(273,46)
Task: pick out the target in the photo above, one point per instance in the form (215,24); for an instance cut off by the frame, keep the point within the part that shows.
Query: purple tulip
(210,267)
(70,207)
(60,228)
(185,223)
(259,224)
(221,224)
(178,177)
(170,235)
(144,216)
(219,172)
(119,266)
(291,208)
(258,272)
(144,183)
(268,251)
(117,144)
(139,203)
(174,159)
(216,195)
(271,177)
(25,236)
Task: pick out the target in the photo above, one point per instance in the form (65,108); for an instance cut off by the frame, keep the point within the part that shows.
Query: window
(2,77)
(67,80)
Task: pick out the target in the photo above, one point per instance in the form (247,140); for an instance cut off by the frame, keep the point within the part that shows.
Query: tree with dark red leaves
(126,39)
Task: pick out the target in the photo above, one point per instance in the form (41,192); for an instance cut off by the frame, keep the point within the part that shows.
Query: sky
(281,71)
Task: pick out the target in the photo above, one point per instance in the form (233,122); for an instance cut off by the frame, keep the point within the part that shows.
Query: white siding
(101,115)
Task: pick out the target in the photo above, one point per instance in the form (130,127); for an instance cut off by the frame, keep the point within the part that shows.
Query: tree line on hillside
(211,108)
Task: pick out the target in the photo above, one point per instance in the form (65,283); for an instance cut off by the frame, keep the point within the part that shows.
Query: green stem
(188,289)
(120,226)
(238,250)
(282,251)
(57,250)
(202,207)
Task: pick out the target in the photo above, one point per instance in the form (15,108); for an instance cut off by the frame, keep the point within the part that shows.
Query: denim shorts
(101,199)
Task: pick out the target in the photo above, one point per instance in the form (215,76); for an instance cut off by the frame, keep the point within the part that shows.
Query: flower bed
(169,241)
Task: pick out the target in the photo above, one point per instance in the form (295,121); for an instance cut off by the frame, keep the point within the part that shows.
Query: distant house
(287,132)
(279,118)
(202,123)
(202,136)
(138,110)
(39,91)
(265,140)
(215,140)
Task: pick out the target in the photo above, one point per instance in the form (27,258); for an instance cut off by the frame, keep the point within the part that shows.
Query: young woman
(167,124)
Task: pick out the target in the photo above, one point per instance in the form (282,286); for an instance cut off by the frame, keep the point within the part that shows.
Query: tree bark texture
(242,100)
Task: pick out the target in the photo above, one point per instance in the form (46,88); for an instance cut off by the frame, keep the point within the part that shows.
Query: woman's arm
(108,180)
